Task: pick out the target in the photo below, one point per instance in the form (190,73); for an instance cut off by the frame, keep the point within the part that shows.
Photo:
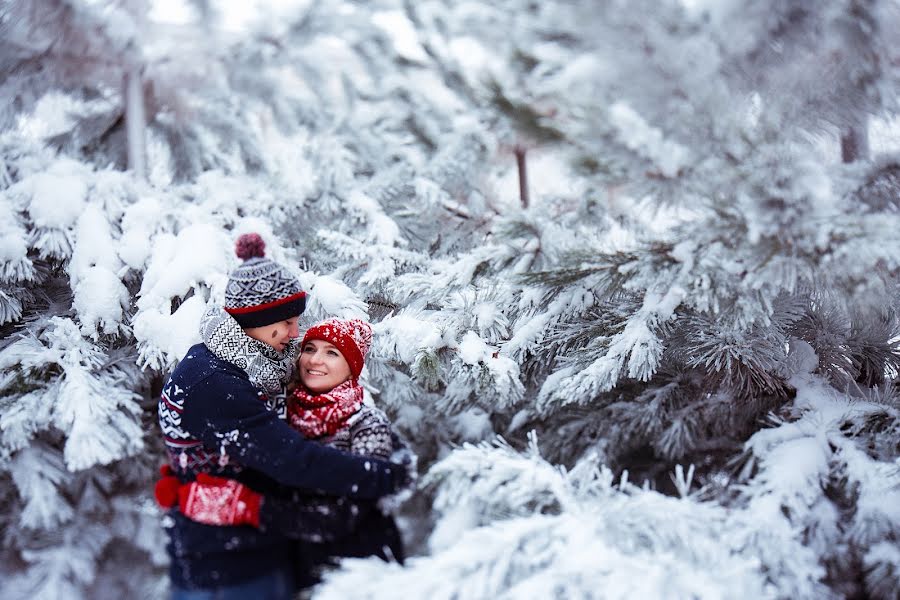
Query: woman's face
(322,366)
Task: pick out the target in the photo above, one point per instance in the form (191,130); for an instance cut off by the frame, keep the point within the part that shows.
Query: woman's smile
(322,366)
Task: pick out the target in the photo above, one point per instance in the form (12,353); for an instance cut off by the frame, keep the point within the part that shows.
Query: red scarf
(315,415)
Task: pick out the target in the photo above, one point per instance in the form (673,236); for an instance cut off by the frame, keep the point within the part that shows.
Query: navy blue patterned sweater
(216,421)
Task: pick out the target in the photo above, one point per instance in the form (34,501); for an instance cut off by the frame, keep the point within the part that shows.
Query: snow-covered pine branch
(514,526)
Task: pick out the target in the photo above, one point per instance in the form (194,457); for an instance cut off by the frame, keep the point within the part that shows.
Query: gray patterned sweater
(367,433)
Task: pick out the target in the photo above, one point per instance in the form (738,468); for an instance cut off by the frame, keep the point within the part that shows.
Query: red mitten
(166,491)
(219,501)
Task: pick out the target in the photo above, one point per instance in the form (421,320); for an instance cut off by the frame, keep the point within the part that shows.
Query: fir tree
(696,311)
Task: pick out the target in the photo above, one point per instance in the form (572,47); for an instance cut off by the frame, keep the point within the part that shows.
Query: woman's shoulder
(370,433)
(368,416)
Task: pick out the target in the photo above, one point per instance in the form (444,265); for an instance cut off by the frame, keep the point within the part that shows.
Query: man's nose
(294,331)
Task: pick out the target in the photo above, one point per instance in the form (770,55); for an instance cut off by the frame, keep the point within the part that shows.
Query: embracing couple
(275,462)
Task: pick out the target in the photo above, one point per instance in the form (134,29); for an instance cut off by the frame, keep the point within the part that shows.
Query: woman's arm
(370,433)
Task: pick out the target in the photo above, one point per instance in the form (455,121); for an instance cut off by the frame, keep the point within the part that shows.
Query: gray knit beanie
(261,292)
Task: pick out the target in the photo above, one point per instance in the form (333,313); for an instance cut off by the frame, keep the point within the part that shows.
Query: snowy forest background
(633,268)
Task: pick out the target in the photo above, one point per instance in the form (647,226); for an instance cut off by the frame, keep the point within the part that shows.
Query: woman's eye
(332,353)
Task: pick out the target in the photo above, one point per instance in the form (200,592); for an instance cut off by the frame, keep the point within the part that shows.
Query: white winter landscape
(632,267)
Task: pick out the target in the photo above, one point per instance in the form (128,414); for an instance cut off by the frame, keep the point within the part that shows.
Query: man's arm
(298,515)
(224,412)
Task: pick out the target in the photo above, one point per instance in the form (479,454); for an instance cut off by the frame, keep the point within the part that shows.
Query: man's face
(277,334)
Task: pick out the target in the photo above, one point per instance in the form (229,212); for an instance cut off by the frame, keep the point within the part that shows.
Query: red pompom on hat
(250,245)
(353,337)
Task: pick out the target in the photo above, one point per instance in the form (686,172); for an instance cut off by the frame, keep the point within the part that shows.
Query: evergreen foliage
(689,339)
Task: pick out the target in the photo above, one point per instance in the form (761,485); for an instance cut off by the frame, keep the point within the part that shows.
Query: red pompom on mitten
(218,501)
(166,490)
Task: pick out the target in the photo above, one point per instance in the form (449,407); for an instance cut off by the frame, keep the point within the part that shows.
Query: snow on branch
(530,529)
(648,141)
(813,451)
(40,476)
(86,399)
(380,263)
(480,375)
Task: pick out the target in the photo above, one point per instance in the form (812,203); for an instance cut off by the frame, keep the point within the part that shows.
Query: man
(219,413)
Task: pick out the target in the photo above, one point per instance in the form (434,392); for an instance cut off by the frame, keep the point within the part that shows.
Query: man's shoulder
(200,364)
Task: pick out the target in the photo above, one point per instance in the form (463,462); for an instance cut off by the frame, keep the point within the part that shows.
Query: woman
(327,401)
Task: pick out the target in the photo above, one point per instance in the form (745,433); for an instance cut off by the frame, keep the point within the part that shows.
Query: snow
(51,115)
(554,541)
(177,12)
(343,62)
(193,263)
(446,533)
(528,330)
(199,254)
(550,179)
(100,299)
(38,473)
(252,14)
(638,135)
(472,425)
(403,336)
(381,228)
(330,297)
(287,157)
(14,263)
(883,552)
(662,306)
(683,252)
(474,58)
(467,341)
(884,135)
(798,467)
(402,34)
(94,246)
(57,199)
(139,223)
(472,349)
(169,335)
(100,296)
(436,92)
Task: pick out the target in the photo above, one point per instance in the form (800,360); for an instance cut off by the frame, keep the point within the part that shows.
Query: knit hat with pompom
(261,292)
(353,337)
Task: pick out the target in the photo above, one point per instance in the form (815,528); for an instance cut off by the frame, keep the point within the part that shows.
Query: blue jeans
(277,585)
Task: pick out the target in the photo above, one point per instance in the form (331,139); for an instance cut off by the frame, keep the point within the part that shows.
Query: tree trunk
(523,175)
(855,142)
(135,121)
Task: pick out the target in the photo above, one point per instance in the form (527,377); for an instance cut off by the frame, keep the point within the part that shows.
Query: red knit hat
(353,337)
